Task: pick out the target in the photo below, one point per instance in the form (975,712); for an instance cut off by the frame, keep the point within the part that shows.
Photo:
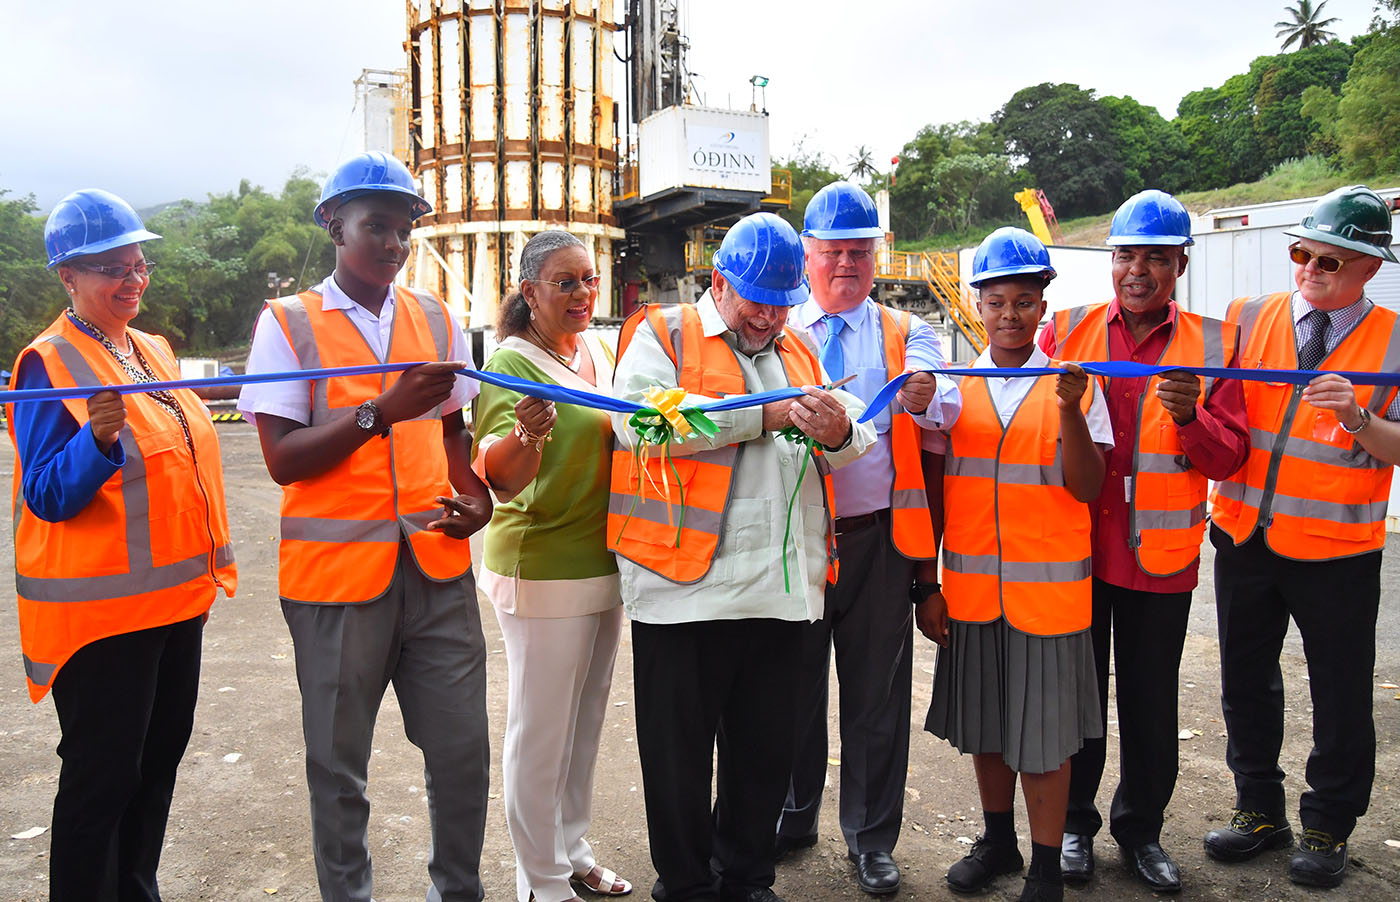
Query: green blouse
(556,528)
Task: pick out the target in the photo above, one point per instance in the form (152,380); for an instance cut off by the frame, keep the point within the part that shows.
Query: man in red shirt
(1172,433)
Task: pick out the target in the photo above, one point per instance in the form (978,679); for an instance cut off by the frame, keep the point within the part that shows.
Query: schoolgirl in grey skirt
(1014,684)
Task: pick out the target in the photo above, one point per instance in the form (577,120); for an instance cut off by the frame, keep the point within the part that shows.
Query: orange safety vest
(1167,510)
(1016,543)
(641,520)
(911,524)
(1320,494)
(151,548)
(341,530)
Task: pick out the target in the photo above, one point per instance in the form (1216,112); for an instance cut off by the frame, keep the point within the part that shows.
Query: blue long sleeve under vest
(63,466)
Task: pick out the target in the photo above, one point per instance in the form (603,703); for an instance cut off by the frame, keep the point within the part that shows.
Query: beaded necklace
(138,374)
(572,364)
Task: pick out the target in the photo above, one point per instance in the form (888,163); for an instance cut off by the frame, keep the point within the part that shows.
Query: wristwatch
(920,592)
(368,418)
(1365,421)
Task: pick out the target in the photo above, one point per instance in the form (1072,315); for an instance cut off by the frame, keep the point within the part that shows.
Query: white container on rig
(1243,251)
(701,147)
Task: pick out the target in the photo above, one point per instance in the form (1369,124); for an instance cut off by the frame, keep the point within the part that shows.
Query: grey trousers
(870,620)
(425,637)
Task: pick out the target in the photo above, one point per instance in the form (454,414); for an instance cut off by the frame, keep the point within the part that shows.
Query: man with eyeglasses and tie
(1172,433)
(1298,533)
(885,537)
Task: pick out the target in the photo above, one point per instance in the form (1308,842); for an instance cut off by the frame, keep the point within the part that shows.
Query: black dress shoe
(1249,833)
(785,845)
(1154,867)
(876,872)
(986,861)
(1077,858)
(1319,860)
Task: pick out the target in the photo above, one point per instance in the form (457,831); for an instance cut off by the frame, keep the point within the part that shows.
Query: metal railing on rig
(939,271)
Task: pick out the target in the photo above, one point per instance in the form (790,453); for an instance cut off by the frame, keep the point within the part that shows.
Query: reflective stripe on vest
(1167,510)
(1320,495)
(911,525)
(642,522)
(76,582)
(1016,543)
(352,518)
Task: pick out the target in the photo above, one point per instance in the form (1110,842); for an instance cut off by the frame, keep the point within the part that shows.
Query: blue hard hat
(1010,252)
(761,257)
(841,210)
(367,173)
(1151,217)
(88,222)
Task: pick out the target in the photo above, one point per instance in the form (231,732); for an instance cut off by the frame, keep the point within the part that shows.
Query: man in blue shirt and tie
(885,541)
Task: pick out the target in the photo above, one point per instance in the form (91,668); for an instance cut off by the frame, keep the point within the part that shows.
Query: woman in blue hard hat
(547,568)
(121,544)
(1014,684)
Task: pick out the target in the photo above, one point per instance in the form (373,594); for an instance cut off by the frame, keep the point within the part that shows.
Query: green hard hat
(1354,217)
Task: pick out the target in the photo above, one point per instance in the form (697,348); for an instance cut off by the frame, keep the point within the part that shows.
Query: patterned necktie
(1315,349)
(833,360)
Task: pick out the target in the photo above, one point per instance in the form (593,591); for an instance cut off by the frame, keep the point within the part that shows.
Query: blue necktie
(833,361)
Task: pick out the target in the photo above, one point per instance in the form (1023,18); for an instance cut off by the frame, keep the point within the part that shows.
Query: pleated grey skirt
(1031,699)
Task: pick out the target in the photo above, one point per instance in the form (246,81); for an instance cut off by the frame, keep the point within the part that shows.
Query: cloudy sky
(165,99)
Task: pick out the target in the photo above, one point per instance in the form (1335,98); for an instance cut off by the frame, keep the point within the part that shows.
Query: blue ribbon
(547,391)
(1125,369)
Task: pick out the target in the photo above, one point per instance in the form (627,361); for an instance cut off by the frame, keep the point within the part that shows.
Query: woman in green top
(547,568)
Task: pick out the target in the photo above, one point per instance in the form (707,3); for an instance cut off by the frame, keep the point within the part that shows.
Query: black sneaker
(1319,861)
(1249,833)
(1038,889)
(987,860)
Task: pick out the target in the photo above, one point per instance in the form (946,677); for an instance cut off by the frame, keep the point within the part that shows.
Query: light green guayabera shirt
(746,577)
(545,550)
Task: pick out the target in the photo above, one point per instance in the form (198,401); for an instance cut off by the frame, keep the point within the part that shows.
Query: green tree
(862,164)
(811,171)
(1368,114)
(916,197)
(1305,27)
(1067,140)
(1153,151)
(969,187)
(30,296)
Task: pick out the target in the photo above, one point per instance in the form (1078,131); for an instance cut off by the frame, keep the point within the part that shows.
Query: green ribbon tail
(701,423)
(798,437)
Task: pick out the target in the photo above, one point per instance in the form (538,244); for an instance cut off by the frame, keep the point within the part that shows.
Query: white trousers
(560,672)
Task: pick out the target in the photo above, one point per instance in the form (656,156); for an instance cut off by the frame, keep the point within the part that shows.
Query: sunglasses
(1325,263)
(569,286)
(118,271)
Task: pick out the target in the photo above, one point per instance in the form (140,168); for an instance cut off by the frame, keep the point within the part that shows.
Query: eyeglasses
(569,286)
(1325,263)
(857,256)
(118,271)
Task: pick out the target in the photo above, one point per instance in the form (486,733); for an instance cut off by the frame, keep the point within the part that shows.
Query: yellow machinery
(1041,215)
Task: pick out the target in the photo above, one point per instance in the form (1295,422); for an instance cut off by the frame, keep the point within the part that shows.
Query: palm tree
(863,163)
(1305,27)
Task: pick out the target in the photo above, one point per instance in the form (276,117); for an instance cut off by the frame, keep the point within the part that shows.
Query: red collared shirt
(1216,442)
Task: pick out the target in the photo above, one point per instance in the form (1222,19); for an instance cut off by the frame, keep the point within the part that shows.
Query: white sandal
(608,882)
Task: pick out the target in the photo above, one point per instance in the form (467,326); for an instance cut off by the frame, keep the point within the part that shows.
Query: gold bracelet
(528,438)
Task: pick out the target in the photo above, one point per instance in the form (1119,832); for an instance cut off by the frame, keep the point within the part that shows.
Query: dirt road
(239,828)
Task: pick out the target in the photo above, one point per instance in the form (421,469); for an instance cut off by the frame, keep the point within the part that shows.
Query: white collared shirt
(272,353)
(746,577)
(1009,391)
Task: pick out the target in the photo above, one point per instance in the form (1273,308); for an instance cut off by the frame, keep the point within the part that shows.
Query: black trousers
(1148,631)
(731,683)
(1334,604)
(126,707)
(870,620)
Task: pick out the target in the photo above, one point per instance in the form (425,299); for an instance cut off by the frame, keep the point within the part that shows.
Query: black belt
(846,525)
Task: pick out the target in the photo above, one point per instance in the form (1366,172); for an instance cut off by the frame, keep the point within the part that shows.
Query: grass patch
(1306,177)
